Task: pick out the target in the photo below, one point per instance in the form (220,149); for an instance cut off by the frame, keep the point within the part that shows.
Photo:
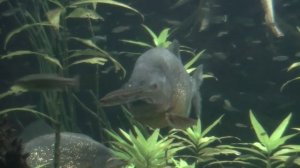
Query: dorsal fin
(174,48)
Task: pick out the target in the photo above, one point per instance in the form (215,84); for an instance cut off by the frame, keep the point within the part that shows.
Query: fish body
(76,151)
(40,82)
(160,92)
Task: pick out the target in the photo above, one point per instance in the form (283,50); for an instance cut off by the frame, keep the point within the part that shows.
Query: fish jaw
(124,96)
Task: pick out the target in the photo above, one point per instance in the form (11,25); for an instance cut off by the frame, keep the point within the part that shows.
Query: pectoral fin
(179,122)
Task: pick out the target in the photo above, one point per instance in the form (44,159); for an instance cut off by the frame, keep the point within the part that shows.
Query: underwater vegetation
(202,150)
(66,55)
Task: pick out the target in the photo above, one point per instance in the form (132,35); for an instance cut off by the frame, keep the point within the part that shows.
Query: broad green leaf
(193,60)
(260,146)
(190,70)
(162,38)
(297,129)
(85,14)
(286,151)
(278,132)
(22,28)
(22,53)
(14,90)
(87,42)
(86,52)
(288,82)
(91,44)
(293,66)
(259,130)
(209,76)
(298,28)
(248,148)
(138,43)
(276,143)
(109,2)
(54,17)
(211,126)
(152,34)
(95,60)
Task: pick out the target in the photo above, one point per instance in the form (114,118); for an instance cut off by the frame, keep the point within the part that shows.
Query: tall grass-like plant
(50,41)
(139,151)
(271,151)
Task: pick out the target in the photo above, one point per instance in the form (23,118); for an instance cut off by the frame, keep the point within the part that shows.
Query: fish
(160,93)
(270,17)
(42,82)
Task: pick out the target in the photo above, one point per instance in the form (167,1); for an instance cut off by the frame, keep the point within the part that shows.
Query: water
(241,51)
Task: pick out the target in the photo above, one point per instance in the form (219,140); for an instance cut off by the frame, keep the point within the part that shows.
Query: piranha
(41,82)
(159,92)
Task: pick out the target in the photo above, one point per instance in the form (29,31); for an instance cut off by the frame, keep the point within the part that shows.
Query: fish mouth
(126,95)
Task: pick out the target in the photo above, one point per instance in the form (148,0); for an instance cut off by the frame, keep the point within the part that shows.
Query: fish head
(142,87)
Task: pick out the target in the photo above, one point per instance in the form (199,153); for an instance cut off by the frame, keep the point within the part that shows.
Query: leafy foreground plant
(141,152)
(161,40)
(202,148)
(271,151)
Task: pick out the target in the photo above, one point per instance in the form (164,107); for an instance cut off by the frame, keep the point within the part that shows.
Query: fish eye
(154,86)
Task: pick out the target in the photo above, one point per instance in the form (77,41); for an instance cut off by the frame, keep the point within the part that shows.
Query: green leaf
(259,130)
(22,53)
(86,53)
(293,66)
(138,43)
(278,132)
(84,14)
(152,34)
(27,109)
(54,17)
(193,60)
(95,60)
(288,82)
(22,28)
(162,39)
(109,2)
(91,44)
(87,42)
(287,151)
(211,126)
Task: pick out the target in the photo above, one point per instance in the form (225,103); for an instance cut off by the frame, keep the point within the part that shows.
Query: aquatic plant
(293,66)
(46,24)
(270,151)
(161,40)
(144,152)
(202,147)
